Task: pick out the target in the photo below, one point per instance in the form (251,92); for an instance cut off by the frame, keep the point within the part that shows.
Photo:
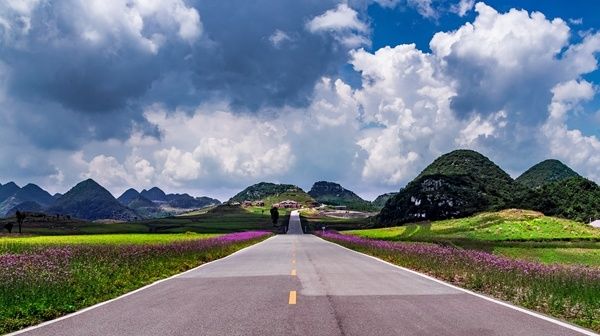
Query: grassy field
(222,219)
(574,255)
(512,233)
(46,277)
(12,244)
(507,225)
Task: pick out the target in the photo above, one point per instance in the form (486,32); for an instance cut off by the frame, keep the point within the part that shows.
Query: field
(507,225)
(222,219)
(14,244)
(46,277)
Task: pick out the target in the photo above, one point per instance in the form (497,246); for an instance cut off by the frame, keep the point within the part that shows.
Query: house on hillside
(247,204)
(596,223)
(288,204)
(258,203)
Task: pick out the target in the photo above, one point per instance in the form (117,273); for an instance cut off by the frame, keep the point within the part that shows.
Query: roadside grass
(566,292)
(47,281)
(16,244)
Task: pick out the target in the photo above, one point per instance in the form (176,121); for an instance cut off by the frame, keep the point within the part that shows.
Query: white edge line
(502,303)
(97,305)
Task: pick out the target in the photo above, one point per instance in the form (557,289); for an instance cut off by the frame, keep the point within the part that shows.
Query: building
(247,204)
(596,223)
(288,204)
(259,203)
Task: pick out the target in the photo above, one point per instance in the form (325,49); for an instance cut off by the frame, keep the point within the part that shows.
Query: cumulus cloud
(463,7)
(343,23)
(203,118)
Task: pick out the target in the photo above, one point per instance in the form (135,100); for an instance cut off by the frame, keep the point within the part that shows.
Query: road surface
(298,284)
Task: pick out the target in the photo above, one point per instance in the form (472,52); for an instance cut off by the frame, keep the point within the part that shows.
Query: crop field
(18,243)
(222,219)
(46,277)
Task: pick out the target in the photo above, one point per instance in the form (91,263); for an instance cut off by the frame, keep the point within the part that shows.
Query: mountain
(334,194)
(89,200)
(57,196)
(128,196)
(185,201)
(8,190)
(154,194)
(28,206)
(32,192)
(27,194)
(272,193)
(380,201)
(545,172)
(456,184)
(575,198)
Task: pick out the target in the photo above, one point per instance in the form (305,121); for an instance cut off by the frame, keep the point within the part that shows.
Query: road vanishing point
(299,284)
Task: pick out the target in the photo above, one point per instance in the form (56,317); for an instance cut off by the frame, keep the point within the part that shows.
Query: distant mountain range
(332,193)
(90,201)
(464,182)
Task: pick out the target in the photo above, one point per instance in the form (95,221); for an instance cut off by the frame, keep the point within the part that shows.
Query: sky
(208,97)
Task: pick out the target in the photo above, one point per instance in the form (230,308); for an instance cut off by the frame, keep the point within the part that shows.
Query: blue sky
(208,97)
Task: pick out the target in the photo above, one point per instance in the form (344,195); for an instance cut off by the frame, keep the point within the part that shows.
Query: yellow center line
(293,272)
(292,299)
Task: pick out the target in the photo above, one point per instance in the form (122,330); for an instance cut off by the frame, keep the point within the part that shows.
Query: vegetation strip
(47,282)
(566,292)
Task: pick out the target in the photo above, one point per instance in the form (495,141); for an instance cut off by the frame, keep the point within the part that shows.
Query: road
(298,284)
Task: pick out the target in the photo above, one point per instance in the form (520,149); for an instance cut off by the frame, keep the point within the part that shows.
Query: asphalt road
(298,284)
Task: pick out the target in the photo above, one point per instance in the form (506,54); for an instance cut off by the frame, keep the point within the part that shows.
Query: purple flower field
(46,282)
(567,292)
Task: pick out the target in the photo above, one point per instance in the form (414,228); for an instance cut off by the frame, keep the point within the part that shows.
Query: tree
(20,218)
(9,227)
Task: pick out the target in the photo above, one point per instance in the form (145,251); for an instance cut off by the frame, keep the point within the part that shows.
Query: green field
(512,233)
(588,256)
(507,225)
(18,243)
(222,219)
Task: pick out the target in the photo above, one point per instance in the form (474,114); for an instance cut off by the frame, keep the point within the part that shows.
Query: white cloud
(344,24)
(463,7)
(278,38)
(571,145)
(424,7)
(505,84)
(146,22)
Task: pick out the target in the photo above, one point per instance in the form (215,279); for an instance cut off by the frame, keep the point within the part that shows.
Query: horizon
(207,99)
(232,192)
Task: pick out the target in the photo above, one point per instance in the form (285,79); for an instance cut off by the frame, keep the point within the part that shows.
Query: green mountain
(334,194)
(380,201)
(545,172)
(575,198)
(272,193)
(89,200)
(456,184)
